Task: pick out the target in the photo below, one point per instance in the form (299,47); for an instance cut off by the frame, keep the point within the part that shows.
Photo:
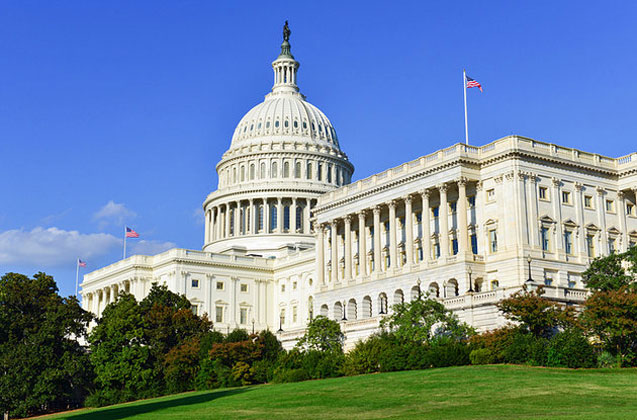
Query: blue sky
(117,112)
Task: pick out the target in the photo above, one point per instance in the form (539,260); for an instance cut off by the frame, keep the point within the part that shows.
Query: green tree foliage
(135,345)
(422,320)
(42,364)
(613,272)
(611,316)
(322,334)
(536,314)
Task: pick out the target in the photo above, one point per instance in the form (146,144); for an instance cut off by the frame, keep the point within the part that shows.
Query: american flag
(473,83)
(81,263)
(130,233)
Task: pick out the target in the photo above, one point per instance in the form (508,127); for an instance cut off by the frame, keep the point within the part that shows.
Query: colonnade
(97,299)
(397,233)
(258,216)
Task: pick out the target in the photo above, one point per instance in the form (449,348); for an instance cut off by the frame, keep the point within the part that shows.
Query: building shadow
(122,412)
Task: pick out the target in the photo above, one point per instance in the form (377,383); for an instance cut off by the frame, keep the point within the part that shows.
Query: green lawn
(470,392)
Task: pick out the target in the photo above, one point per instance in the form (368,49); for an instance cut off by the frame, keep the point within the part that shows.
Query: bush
(283,375)
(237,335)
(496,341)
(262,371)
(365,356)
(447,352)
(571,349)
(525,348)
(481,357)
(607,360)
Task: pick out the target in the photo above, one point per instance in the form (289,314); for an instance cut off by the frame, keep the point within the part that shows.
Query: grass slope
(470,392)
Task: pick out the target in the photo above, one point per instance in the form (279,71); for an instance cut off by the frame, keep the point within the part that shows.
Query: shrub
(181,366)
(607,360)
(495,341)
(481,357)
(283,375)
(241,373)
(525,348)
(262,371)
(571,349)
(365,356)
(447,352)
(320,365)
(237,335)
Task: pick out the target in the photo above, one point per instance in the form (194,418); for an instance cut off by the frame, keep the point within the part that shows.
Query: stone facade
(288,237)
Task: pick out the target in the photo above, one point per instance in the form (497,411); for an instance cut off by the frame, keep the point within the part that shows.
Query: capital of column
(462,181)
(556,182)
(392,204)
(377,210)
(579,186)
(443,187)
(620,194)
(348,220)
(600,190)
(521,176)
(408,198)
(427,192)
(362,214)
(479,185)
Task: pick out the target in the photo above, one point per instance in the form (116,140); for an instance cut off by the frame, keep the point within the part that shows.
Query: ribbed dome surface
(284,114)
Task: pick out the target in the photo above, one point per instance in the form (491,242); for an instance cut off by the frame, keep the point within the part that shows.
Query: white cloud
(52,247)
(145,247)
(113,213)
(198,216)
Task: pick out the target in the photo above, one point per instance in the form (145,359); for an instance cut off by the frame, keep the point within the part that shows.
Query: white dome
(285,114)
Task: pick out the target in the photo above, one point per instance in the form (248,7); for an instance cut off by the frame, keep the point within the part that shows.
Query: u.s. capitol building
(288,237)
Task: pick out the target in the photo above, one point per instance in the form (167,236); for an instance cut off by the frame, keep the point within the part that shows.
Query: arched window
(262,171)
(352,310)
(451,288)
(366,309)
(324,310)
(275,170)
(273,217)
(286,218)
(399,297)
(434,290)
(234,175)
(243,173)
(297,170)
(329,173)
(308,170)
(319,171)
(260,218)
(382,303)
(286,169)
(338,311)
(251,171)
(299,218)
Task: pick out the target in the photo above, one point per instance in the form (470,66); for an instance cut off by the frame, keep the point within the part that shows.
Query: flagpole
(466,125)
(124,242)
(77,274)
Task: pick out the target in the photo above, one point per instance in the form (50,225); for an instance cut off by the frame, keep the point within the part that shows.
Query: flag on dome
(473,83)
(81,263)
(130,233)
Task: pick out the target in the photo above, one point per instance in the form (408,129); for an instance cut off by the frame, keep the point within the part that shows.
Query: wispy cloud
(53,217)
(113,214)
(145,247)
(198,216)
(52,247)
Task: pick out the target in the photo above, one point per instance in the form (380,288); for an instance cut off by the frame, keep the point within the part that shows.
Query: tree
(612,317)
(612,272)
(322,334)
(422,320)
(42,363)
(536,314)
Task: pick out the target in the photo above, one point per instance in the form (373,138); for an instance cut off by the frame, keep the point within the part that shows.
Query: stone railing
(459,150)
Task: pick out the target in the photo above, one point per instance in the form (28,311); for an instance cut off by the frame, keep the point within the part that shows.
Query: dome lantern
(285,66)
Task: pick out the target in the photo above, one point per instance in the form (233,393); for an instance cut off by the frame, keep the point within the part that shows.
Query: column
(251,219)
(621,213)
(443,212)
(207,223)
(581,229)
(293,216)
(237,219)
(279,215)
(306,216)
(393,259)
(601,216)
(320,269)
(557,209)
(461,209)
(334,245)
(266,216)
(362,245)
(521,220)
(426,226)
(227,220)
(377,262)
(531,198)
(348,248)
(409,236)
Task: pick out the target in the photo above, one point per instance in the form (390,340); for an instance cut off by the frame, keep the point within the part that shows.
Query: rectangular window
(294,314)
(590,245)
(474,243)
(453,206)
(436,250)
(611,245)
(194,283)
(543,193)
(454,246)
(435,211)
(286,218)
(219,314)
(588,201)
(243,316)
(548,278)
(630,209)
(544,233)
(282,316)
(610,206)
(319,171)
(491,194)
(244,287)
(294,285)
(329,173)
(566,197)
(219,285)
(493,240)
(195,309)
(282,288)
(568,242)
(472,201)
(273,216)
